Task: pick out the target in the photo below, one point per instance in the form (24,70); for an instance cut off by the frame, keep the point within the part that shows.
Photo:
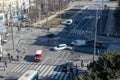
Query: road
(50,67)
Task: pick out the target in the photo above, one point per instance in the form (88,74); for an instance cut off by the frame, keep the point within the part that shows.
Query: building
(7,8)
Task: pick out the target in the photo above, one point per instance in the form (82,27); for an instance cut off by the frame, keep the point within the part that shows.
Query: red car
(38,55)
(98,45)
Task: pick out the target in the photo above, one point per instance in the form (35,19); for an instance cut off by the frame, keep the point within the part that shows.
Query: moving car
(98,45)
(60,47)
(38,55)
(78,43)
(67,22)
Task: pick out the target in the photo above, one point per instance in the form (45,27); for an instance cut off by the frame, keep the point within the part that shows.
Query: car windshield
(37,55)
(60,46)
(68,21)
(75,41)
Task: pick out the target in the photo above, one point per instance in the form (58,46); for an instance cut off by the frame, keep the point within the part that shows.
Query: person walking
(82,64)
(11,57)
(8,55)
(5,63)
(17,57)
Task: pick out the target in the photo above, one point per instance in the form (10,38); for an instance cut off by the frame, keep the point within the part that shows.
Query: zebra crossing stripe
(26,68)
(32,66)
(16,66)
(42,68)
(54,72)
(42,63)
(37,65)
(65,78)
(58,69)
(51,68)
(51,72)
(46,73)
(22,67)
(46,67)
(58,73)
(62,75)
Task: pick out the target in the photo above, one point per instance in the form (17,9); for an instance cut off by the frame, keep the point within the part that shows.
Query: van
(38,55)
(67,22)
(78,43)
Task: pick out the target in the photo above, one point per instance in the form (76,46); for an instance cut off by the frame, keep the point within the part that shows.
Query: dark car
(51,35)
(98,44)
(67,66)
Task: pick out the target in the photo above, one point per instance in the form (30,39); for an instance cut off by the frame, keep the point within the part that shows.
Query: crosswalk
(49,68)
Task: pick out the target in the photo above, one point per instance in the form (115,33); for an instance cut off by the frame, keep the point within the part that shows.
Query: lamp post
(95,35)
(11,27)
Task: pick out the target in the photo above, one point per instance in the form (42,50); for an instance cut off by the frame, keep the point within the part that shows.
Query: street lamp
(11,27)
(95,35)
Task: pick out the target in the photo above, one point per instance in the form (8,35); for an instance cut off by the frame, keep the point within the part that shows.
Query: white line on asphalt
(62,75)
(44,70)
(42,63)
(17,66)
(46,73)
(23,66)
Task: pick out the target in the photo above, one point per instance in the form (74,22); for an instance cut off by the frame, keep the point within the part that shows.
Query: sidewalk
(54,15)
(5,73)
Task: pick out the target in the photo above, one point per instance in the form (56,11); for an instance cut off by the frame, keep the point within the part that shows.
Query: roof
(28,74)
(38,52)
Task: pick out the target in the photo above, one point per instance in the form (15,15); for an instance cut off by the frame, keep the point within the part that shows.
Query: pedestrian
(5,63)
(82,64)
(98,51)
(8,55)
(11,57)
(17,57)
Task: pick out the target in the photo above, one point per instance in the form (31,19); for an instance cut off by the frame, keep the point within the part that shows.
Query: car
(78,43)
(67,22)
(60,47)
(38,55)
(67,66)
(51,35)
(24,19)
(98,44)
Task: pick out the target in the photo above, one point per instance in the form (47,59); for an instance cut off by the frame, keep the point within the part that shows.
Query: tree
(105,68)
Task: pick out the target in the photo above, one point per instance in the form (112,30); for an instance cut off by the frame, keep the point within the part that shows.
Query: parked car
(67,22)
(51,35)
(67,66)
(78,43)
(60,47)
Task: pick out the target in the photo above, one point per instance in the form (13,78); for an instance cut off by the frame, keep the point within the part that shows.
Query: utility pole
(95,35)
(0,43)
(11,27)
(46,8)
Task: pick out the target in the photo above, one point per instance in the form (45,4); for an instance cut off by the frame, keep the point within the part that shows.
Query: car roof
(38,52)
(80,40)
(62,44)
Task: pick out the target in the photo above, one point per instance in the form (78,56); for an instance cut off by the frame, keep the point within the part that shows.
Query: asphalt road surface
(50,67)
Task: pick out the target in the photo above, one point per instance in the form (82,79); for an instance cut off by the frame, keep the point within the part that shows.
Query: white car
(60,47)
(67,22)
(78,42)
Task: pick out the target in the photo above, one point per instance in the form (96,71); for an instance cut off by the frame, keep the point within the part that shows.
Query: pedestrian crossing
(49,68)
